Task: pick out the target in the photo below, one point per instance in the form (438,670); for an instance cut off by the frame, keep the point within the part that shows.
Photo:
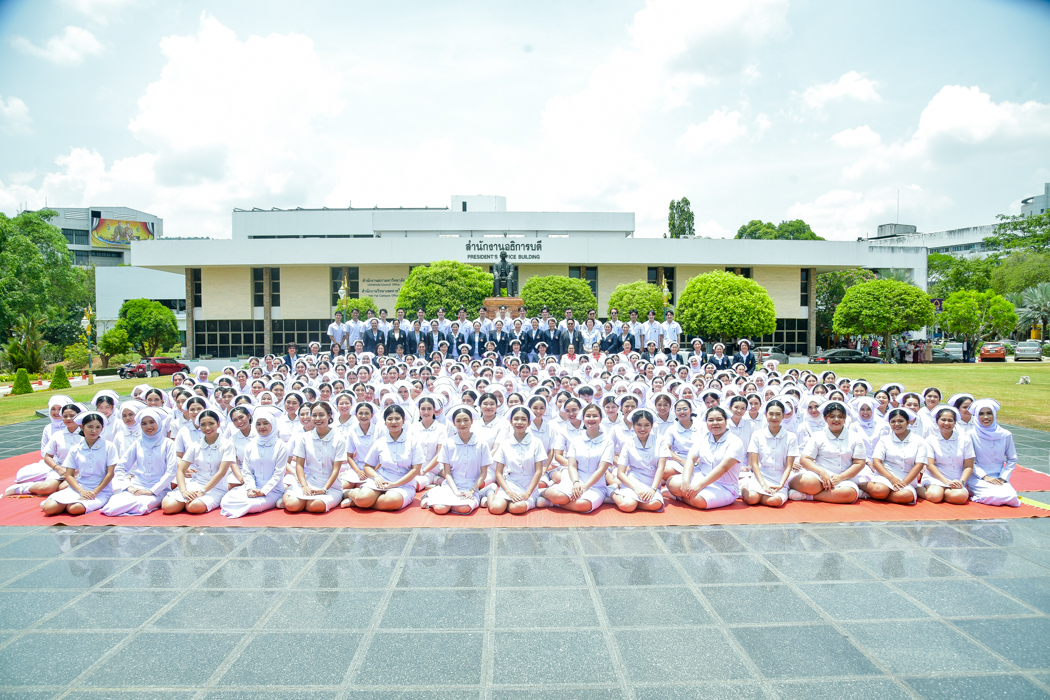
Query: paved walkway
(877,610)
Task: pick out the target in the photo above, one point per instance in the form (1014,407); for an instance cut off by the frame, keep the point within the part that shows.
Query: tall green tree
(37,275)
(946,274)
(1020,270)
(725,305)
(680,220)
(883,307)
(25,349)
(796,230)
(113,342)
(150,326)
(1036,306)
(830,288)
(977,315)
(1021,233)
(559,293)
(638,295)
(445,283)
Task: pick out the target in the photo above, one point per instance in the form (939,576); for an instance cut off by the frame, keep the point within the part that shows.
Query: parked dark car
(157,366)
(843,355)
(940,356)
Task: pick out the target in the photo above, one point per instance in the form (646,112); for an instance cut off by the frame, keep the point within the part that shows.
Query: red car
(156,366)
(993,352)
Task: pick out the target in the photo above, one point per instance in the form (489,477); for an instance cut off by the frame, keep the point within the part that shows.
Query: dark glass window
(586,273)
(275,286)
(177,305)
(77,236)
(196,272)
(668,276)
(352,283)
(804,288)
(81,257)
(792,335)
(228,338)
(742,271)
(258,294)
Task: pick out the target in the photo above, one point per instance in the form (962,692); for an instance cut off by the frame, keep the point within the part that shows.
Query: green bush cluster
(60,380)
(21,385)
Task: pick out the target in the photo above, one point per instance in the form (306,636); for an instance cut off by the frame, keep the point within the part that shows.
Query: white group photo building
(277,279)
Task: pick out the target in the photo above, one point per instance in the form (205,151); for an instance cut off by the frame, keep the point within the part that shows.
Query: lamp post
(85,323)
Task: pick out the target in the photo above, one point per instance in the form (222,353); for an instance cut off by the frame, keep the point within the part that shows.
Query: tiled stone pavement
(886,610)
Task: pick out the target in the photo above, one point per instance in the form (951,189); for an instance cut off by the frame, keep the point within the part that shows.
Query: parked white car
(1028,350)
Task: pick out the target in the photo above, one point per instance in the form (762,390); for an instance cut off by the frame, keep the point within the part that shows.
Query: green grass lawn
(1023,404)
(15,409)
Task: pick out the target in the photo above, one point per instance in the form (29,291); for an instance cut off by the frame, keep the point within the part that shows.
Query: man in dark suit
(552,337)
(434,337)
(570,336)
(292,357)
(499,337)
(373,336)
(745,356)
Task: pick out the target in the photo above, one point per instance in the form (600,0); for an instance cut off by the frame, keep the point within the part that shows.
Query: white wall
(115,285)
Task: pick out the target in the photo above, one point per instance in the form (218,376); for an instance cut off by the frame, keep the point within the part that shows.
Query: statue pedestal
(492,305)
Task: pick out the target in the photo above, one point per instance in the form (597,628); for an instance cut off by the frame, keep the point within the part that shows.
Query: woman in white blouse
(359,439)
(639,469)
(430,432)
(45,477)
(679,439)
(210,458)
(262,468)
(144,476)
(519,460)
(318,457)
(995,458)
(716,458)
(391,466)
(771,455)
(897,461)
(950,463)
(590,456)
(832,458)
(89,469)
(465,460)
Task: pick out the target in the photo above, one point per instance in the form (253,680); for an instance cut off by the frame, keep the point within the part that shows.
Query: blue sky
(760,109)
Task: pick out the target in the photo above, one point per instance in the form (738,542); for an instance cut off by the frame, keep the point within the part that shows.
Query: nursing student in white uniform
(262,468)
(89,469)
(994,458)
(210,459)
(639,467)
(465,461)
(45,477)
(359,439)
(897,461)
(144,476)
(590,454)
(771,455)
(318,457)
(832,458)
(951,461)
(679,439)
(392,464)
(520,460)
(716,458)
(431,433)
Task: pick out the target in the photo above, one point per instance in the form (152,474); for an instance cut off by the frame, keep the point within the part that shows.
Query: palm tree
(899,274)
(1036,305)
(26,347)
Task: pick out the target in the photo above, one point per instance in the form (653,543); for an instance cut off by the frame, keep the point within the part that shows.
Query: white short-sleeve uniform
(949,456)
(641,461)
(465,461)
(488,433)
(358,445)
(519,463)
(430,440)
(393,459)
(773,452)
(744,431)
(263,470)
(590,455)
(836,454)
(206,459)
(149,464)
(678,440)
(709,453)
(91,464)
(240,444)
(997,459)
(899,457)
(319,454)
(186,436)
(58,445)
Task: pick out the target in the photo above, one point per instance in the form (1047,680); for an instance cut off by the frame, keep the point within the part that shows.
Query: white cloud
(851,85)
(712,229)
(843,214)
(763,123)
(96,8)
(721,128)
(14,115)
(70,49)
(861,137)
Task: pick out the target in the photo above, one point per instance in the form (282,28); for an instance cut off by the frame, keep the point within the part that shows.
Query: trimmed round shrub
(558,293)
(60,380)
(21,385)
(637,295)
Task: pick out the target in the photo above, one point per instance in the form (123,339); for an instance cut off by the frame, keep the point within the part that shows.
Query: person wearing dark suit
(515,351)
(532,333)
(292,357)
(719,359)
(396,337)
(499,337)
(611,340)
(746,356)
(570,336)
(373,336)
(433,338)
(552,337)
(520,334)
(475,338)
(414,336)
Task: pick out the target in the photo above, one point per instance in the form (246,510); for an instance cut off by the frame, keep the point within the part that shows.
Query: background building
(101,236)
(1037,204)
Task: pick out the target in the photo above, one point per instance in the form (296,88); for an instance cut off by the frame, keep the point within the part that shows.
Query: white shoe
(794,495)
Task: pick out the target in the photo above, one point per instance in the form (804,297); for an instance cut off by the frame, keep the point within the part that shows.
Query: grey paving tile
(203,543)
(992,561)
(781,539)
(704,691)
(653,656)
(254,573)
(537,658)
(22,667)
(861,538)
(922,648)
(435,609)
(727,569)
(705,540)
(958,686)
(881,688)
(402,659)
(861,601)
(546,572)
(809,566)
(816,651)
(1033,591)
(935,536)
(535,543)
(367,544)
(450,572)
(430,694)
(283,544)
(13,568)
(259,694)
(525,608)
(1021,640)
(19,609)
(44,546)
(65,574)
(351,573)
(218,610)
(318,658)
(636,607)
(582,692)
(165,660)
(324,609)
(633,571)
(771,604)
(1033,554)
(618,541)
(162,573)
(904,564)
(104,610)
(119,546)
(1006,534)
(110,694)
(963,598)
(451,543)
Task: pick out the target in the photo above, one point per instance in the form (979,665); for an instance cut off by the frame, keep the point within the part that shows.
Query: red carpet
(26,511)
